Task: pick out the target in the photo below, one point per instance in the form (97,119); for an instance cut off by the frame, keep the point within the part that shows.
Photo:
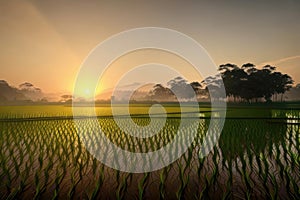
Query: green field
(257,155)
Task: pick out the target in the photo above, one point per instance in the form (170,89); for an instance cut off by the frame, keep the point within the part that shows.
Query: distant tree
(282,83)
(269,82)
(196,86)
(182,89)
(246,83)
(249,83)
(66,98)
(161,93)
(10,93)
(44,99)
(30,91)
(233,77)
(178,85)
(213,86)
(179,89)
(248,67)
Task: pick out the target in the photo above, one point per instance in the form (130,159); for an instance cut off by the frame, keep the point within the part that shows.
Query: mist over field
(149,99)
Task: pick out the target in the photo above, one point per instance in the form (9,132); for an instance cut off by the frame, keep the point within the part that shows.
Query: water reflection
(240,136)
(292,116)
(263,154)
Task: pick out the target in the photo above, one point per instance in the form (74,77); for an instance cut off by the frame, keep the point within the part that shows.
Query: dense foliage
(246,83)
(249,83)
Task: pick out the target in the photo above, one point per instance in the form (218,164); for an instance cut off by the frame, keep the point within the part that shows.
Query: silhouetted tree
(213,86)
(249,83)
(197,87)
(66,98)
(233,77)
(181,88)
(161,93)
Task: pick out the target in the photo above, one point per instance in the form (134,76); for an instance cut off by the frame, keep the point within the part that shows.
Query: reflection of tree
(249,136)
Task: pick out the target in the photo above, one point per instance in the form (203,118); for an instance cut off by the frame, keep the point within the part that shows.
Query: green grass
(141,110)
(253,158)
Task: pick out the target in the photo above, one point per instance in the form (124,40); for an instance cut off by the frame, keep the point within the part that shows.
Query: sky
(45,42)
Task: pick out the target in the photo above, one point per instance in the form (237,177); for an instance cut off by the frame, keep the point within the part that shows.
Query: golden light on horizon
(42,44)
(121,66)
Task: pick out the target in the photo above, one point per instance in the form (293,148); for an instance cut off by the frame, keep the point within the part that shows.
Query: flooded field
(256,156)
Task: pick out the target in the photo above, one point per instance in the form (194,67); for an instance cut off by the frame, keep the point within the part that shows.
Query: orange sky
(45,42)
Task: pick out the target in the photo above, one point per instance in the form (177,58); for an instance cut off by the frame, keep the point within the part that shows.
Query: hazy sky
(45,42)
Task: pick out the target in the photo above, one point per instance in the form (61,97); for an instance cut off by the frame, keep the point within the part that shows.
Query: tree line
(243,84)
(248,83)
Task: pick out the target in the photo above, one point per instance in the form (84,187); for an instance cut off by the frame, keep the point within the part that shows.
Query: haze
(45,42)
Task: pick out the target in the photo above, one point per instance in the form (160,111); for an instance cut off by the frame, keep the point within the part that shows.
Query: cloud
(288,65)
(282,60)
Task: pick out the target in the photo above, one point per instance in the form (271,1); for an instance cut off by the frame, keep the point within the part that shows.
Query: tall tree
(161,93)
(250,83)
(181,88)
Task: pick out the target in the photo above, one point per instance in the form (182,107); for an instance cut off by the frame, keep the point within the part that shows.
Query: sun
(87,92)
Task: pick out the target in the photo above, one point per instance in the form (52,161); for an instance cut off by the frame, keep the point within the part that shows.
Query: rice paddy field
(256,156)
